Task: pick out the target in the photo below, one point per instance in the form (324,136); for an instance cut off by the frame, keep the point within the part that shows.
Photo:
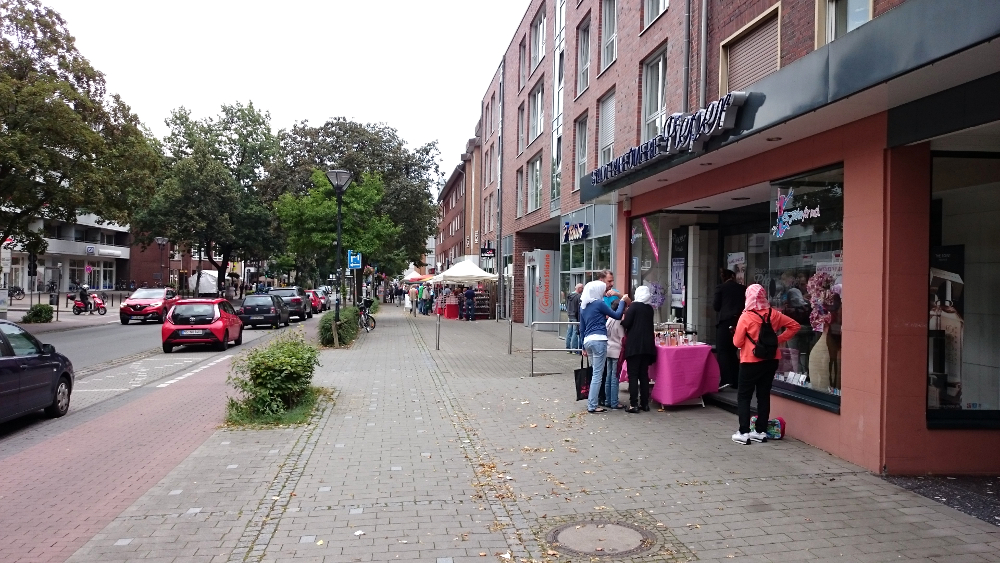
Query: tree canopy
(66,147)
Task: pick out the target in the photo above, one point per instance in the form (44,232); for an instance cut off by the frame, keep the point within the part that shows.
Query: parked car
(267,310)
(33,375)
(202,321)
(324,296)
(315,300)
(298,302)
(147,304)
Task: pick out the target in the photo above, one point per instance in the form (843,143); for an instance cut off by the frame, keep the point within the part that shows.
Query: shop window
(963,363)
(805,281)
(602,253)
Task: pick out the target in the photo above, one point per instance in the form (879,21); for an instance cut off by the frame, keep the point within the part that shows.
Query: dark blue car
(33,376)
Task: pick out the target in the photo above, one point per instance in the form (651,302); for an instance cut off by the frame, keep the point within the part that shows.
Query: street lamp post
(162,243)
(340,179)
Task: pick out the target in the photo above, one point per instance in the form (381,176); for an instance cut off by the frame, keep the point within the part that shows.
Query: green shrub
(40,313)
(375,307)
(273,378)
(348,327)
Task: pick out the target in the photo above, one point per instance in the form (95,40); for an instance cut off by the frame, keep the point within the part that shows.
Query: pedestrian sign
(353,260)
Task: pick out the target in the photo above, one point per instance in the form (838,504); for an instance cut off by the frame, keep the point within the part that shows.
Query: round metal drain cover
(601,538)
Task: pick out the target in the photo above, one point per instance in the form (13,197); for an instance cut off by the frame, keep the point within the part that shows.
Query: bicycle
(15,292)
(365,320)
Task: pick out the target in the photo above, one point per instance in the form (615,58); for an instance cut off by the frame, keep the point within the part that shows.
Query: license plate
(191,332)
(257,318)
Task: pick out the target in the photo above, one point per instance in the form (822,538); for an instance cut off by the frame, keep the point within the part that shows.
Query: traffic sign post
(353,260)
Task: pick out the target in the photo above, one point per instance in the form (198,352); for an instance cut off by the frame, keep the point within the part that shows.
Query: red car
(315,299)
(147,304)
(202,321)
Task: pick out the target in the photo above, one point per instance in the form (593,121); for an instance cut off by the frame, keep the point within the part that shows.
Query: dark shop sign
(682,132)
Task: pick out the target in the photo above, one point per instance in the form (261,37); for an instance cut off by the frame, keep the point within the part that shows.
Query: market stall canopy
(464,272)
(413,276)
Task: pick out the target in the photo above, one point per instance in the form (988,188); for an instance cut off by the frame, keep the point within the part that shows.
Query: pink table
(681,373)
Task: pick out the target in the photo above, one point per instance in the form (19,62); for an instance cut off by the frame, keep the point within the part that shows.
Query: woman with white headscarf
(640,349)
(593,316)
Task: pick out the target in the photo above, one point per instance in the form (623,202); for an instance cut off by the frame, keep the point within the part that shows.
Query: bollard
(437,342)
(510,340)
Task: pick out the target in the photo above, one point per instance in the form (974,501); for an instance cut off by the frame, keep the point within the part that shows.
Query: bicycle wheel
(370,324)
(18,294)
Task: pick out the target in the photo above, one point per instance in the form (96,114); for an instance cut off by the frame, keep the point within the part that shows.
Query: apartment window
(520,129)
(487,120)
(557,99)
(535,183)
(609,33)
(844,16)
(489,166)
(536,113)
(493,106)
(583,59)
(560,20)
(654,8)
(522,68)
(606,130)
(654,96)
(581,151)
(538,38)
(520,192)
(556,184)
(751,56)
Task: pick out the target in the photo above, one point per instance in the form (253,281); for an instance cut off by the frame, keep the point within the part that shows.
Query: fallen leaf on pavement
(553,553)
(482,554)
(534,426)
(320,542)
(359,533)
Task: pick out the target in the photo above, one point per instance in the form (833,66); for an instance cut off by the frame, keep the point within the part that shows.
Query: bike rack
(533,349)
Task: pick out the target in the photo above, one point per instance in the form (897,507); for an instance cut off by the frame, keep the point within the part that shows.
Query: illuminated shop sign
(575,231)
(787,217)
(682,132)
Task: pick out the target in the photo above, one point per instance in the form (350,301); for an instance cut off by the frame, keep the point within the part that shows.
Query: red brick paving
(57,495)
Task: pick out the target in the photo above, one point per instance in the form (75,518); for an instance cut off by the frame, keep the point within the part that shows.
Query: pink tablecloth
(681,373)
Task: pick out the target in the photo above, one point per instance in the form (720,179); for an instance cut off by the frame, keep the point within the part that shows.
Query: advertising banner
(737,262)
(946,328)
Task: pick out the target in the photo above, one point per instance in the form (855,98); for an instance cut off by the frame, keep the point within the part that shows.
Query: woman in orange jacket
(757,373)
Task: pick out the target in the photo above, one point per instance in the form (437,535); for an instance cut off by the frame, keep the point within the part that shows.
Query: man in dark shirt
(728,304)
(470,304)
(573,312)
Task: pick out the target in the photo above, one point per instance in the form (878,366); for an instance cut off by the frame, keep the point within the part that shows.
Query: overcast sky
(419,66)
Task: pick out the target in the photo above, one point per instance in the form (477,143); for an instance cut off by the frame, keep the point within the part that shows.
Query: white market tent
(412,276)
(464,272)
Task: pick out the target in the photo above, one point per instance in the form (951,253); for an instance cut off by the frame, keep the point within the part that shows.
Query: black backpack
(766,345)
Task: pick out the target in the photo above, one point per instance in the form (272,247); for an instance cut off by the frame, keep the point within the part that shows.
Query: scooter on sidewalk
(79,307)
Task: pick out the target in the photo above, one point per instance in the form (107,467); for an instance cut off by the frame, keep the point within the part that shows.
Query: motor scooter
(79,307)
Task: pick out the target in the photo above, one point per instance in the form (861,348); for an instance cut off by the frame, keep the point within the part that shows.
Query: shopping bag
(582,378)
(775,427)
(407,305)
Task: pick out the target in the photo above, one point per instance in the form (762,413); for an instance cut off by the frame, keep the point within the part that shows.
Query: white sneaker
(757,436)
(740,438)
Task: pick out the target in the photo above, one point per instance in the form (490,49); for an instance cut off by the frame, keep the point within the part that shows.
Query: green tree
(66,147)
(406,175)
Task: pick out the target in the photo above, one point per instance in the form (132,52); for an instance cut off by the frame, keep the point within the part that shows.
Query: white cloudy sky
(421,66)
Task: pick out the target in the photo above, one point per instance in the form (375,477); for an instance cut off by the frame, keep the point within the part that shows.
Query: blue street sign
(353,260)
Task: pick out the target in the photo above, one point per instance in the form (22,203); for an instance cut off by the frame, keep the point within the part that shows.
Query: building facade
(842,153)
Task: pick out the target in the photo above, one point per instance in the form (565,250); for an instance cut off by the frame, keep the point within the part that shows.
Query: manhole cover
(601,538)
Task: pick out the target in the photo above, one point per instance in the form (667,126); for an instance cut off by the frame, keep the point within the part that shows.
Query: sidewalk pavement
(67,321)
(456,456)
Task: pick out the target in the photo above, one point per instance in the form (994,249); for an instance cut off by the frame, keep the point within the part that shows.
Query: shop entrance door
(747,255)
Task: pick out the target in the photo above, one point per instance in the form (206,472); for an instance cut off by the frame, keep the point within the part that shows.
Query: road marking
(194,371)
(78,390)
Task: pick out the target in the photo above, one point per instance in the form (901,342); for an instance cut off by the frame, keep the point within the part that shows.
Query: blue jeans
(597,350)
(611,384)
(470,309)
(573,336)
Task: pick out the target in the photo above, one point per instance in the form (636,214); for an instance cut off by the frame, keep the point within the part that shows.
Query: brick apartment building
(450,247)
(813,146)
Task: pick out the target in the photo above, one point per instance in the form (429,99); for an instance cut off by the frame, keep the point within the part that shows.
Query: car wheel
(224,345)
(167,348)
(239,339)
(60,401)
(124,319)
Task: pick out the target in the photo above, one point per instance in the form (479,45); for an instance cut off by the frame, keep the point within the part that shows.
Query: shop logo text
(786,217)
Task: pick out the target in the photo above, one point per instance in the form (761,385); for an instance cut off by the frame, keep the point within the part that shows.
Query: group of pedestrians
(749,334)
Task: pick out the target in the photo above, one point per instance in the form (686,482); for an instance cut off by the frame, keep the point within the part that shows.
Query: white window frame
(832,21)
(583,58)
(609,32)
(536,112)
(653,9)
(606,142)
(581,151)
(654,118)
(520,192)
(522,70)
(534,173)
(538,38)
(521,126)
(555,181)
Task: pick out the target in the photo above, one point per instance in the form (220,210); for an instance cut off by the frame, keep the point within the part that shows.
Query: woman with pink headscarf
(757,373)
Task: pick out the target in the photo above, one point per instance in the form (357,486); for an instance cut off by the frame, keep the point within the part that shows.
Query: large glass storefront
(963,364)
(788,237)
(585,249)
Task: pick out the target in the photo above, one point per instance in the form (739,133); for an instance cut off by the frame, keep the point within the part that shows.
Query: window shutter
(606,135)
(754,56)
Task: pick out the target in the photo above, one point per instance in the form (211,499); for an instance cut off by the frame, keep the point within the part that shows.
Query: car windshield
(151,293)
(195,310)
(284,292)
(257,300)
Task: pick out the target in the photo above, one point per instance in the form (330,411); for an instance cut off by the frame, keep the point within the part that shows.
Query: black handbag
(582,377)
